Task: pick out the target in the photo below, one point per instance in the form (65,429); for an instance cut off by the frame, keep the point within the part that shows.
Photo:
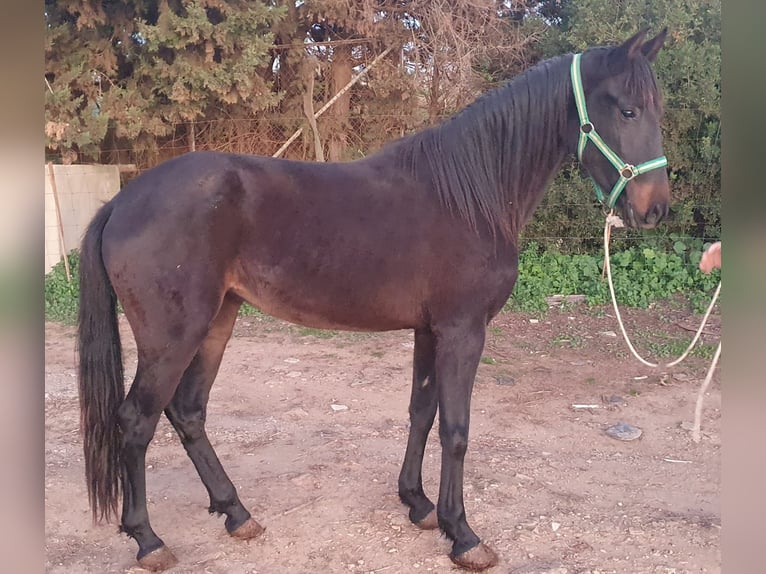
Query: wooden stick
(59,223)
(694,330)
(302,506)
(334,99)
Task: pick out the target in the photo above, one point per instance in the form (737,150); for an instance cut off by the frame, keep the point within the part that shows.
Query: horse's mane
(495,157)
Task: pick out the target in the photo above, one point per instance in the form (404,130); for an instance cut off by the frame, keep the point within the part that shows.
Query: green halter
(588,132)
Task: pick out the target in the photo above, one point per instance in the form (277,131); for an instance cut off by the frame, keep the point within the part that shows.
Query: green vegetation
(61,296)
(641,275)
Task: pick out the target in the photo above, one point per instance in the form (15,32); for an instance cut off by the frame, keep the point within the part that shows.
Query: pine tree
(137,68)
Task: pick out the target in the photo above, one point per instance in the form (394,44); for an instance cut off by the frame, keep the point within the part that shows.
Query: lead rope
(613,220)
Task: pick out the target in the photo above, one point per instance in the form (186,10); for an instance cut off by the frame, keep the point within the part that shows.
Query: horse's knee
(454,441)
(189,426)
(137,429)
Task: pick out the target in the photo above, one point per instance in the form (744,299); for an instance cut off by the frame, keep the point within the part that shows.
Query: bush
(61,296)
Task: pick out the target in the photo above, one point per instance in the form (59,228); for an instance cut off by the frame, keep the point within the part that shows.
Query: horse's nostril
(656,213)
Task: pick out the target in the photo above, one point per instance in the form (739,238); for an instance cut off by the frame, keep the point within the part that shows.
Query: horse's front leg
(458,351)
(423,404)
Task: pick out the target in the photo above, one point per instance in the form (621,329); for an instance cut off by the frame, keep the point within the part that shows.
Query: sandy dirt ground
(544,484)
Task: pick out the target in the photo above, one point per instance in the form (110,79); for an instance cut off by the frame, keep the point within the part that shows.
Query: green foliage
(62,296)
(134,68)
(641,274)
(663,345)
(247,310)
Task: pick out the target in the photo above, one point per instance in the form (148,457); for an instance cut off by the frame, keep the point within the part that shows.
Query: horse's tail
(100,376)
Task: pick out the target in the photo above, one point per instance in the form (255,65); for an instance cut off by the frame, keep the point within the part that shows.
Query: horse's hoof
(249,530)
(478,558)
(158,560)
(430,522)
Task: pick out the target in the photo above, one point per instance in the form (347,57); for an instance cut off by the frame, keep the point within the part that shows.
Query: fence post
(59,223)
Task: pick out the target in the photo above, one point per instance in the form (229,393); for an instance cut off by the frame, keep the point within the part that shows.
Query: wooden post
(59,223)
(192,136)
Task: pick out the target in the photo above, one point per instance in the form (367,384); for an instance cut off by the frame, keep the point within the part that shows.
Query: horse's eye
(628,113)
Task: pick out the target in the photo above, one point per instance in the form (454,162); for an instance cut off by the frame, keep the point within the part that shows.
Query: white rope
(614,221)
(701,396)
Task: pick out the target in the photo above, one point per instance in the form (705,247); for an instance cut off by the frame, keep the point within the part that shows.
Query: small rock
(624,431)
(616,400)
(555,526)
(292,361)
(297,413)
(687,426)
(505,380)
(534,321)
(608,333)
(338,408)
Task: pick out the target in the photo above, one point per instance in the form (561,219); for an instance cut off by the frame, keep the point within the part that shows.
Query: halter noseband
(588,132)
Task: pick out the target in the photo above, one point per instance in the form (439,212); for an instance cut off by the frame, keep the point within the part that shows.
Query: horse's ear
(652,47)
(632,45)
(621,55)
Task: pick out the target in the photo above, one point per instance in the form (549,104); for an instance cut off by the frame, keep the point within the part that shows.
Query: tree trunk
(341,72)
(308,70)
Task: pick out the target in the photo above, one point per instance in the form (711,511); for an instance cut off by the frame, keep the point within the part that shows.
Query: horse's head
(616,124)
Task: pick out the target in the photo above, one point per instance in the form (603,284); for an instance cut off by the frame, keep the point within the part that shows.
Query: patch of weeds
(634,392)
(247,310)
(668,347)
(570,341)
(377,354)
(488,360)
(496,331)
(62,297)
(641,274)
(590,381)
(318,333)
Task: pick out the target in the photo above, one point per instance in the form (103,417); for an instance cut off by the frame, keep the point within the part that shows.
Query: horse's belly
(327,312)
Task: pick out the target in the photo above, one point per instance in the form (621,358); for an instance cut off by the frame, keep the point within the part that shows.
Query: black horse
(421,235)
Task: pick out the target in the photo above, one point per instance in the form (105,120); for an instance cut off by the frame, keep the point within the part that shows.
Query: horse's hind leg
(187,412)
(156,380)
(423,403)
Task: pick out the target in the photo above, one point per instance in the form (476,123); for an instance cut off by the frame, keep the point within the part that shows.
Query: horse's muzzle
(649,220)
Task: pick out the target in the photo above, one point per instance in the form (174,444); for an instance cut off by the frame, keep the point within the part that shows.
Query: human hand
(711,258)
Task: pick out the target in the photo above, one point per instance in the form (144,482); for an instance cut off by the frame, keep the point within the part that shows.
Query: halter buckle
(628,171)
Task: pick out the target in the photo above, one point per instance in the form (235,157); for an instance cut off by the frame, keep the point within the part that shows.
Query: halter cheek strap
(588,133)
